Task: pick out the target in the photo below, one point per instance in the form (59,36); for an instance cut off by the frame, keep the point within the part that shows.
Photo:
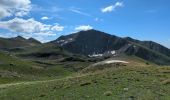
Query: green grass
(14,69)
(123,83)
(25,79)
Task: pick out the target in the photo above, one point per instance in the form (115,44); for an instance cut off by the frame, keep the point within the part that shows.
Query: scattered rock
(54,87)
(126,89)
(137,80)
(94,81)
(42,95)
(9,74)
(67,86)
(165,82)
(147,63)
(108,93)
(86,83)
(131,97)
(166,71)
(11,64)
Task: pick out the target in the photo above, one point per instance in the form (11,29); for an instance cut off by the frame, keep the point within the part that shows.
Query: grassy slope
(134,81)
(15,69)
(143,83)
(31,67)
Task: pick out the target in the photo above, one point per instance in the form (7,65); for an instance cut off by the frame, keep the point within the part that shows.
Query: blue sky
(140,19)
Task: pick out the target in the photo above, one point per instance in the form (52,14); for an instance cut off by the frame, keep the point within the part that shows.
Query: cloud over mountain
(28,26)
(83,27)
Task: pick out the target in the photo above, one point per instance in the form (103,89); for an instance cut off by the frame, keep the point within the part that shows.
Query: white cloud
(20,25)
(43,39)
(76,10)
(83,27)
(51,9)
(57,28)
(24,26)
(44,18)
(98,19)
(50,33)
(14,8)
(4,13)
(112,7)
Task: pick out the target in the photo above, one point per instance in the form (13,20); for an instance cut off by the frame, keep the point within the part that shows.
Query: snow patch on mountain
(108,53)
(110,62)
(63,42)
(115,61)
(113,52)
(96,55)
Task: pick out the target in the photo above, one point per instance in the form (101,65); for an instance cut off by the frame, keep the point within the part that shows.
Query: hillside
(38,63)
(13,69)
(145,83)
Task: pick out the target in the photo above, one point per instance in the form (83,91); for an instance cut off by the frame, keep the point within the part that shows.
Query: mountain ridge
(93,42)
(17,42)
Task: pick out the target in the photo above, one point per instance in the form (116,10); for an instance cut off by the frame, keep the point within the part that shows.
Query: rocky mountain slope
(94,43)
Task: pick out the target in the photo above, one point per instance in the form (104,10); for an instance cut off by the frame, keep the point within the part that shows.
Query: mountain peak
(90,42)
(33,40)
(91,31)
(19,38)
(94,42)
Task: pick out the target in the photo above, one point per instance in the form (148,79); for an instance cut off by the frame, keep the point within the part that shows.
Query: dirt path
(36,82)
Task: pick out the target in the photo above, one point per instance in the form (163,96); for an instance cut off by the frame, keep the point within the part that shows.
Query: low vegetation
(127,70)
(144,83)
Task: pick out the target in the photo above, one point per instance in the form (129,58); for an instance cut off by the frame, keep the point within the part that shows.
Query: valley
(79,67)
(84,50)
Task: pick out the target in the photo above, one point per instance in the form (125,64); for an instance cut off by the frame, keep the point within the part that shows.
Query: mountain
(152,45)
(94,43)
(17,43)
(90,42)
(34,41)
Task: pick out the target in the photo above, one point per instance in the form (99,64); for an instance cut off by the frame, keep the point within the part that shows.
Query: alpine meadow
(84,50)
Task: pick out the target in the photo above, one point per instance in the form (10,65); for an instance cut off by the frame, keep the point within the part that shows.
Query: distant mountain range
(93,43)
(17,42)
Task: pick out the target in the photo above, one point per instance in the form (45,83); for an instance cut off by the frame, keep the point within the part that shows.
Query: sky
(46,20)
